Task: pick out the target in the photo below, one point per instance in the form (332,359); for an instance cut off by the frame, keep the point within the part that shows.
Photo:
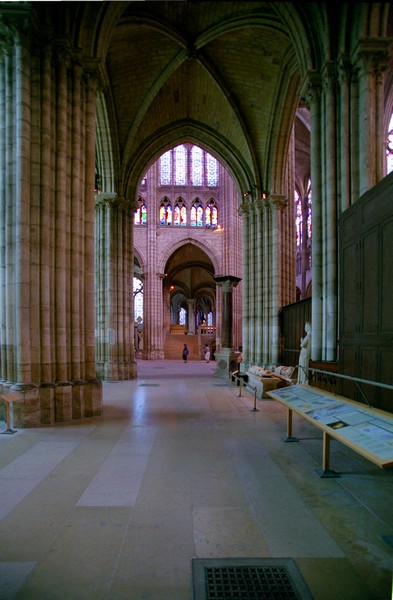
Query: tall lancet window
(165,212)
(211,214)
(196,214)
(140,215)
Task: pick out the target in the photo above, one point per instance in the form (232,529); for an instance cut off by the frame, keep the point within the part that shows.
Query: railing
(178,329)
(238,377)
(329,378)
(206,330)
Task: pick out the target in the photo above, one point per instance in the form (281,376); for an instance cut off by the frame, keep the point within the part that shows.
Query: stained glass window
(196,166)
(196,214)
(176,215)
(182,316)
(184,165)
(165,168)
(193,217)
(389,147)
(309,210)
(211,170)
(174,164)
(169,214)
(199,216)
(143,214)
(183,215)
(140,215)
(303,220)
(211,214)
(299,219)
(165,212)
(180,165)
(180,213)
(138,298)
(208,216)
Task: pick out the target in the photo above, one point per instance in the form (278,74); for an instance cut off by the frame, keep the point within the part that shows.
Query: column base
(226,361)
(61,402)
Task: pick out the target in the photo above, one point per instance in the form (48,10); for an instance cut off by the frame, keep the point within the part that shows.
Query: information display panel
(366,430)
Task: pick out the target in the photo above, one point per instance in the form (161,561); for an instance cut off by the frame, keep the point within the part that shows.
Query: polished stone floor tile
(182,466)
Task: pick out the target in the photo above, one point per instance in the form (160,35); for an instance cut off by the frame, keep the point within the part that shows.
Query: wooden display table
(366,430)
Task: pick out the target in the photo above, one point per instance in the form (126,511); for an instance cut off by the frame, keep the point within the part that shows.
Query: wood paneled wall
(366,295)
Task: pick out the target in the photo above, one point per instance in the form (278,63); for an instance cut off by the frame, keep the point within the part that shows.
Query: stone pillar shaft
(47,150)
(114,260)
(227,283)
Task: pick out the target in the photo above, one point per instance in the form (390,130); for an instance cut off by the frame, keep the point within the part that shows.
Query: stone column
(259,274)
(372,60)
(313,95)
(191,317)
(114,267)
(247,277)
(330,222)
(226,358)
(47,148)
(277,204)
(153,324)
(348,130)
(63,390)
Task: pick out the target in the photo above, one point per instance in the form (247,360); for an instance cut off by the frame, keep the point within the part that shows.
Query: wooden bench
(368,431)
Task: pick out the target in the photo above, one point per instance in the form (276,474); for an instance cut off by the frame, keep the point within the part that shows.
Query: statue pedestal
(226,361)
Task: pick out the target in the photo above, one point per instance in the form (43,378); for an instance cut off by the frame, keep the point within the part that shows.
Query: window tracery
(183,166)
(165,212)
(140,215)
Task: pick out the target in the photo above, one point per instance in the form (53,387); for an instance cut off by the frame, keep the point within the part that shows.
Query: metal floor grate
(243,579)
(149,385)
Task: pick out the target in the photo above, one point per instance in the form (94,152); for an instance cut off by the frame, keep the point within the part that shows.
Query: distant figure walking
(206,353)
(304,357)
(185,353)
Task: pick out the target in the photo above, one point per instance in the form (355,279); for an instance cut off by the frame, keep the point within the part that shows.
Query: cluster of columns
(47,153)
(265,280)
(346,105)
(115,359)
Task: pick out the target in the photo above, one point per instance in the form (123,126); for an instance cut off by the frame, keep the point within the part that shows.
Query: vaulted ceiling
(224,75)
(228,76)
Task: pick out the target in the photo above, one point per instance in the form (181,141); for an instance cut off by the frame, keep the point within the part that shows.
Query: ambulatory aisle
(180,466)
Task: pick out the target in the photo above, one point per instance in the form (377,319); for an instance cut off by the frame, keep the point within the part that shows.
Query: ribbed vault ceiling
(224,75)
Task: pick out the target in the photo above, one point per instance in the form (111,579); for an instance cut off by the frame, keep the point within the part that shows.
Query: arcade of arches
(94,94)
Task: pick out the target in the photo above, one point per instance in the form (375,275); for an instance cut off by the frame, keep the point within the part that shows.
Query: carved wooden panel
(366,295)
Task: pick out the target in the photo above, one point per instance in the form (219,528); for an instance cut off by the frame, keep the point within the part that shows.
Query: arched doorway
(190,294)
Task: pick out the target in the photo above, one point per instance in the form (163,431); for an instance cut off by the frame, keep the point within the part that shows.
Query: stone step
(174,344)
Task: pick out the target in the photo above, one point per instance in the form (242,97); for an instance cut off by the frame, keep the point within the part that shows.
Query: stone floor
(179,466)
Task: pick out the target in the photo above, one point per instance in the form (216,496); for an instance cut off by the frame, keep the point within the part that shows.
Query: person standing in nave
(185,353)
(206,353)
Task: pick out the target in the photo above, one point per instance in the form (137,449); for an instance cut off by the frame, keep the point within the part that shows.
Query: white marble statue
(304,357)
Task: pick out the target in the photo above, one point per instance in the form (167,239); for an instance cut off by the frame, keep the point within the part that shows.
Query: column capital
(114,201)
(227,282)
(277,201)
(346,71)
(312,88)
(330,76)
(372,55)
(92,75)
